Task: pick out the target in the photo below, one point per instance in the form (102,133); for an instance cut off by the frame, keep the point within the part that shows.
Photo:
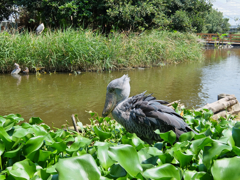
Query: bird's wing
(39,28)
(146,110)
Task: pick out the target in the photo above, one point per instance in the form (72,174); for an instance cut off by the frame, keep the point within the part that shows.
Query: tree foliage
(215,22)
(123,15)
(5,9)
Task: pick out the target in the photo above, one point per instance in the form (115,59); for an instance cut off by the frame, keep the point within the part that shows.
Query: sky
(230,9)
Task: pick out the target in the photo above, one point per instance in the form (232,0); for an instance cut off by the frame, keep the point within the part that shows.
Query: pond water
(55,97)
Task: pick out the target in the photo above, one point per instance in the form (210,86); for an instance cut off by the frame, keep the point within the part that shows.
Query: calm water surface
(55,97)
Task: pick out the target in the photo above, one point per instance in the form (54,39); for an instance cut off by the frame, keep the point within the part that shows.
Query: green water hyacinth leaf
(101,134)
(184,159)
(121,154)
(78,168)
(2,121)
(60,146)
(169,136)
(4,135)
(236,134)
(23,170)
(194,175)
(117,171)
(227,168)
(33,144)
(186,136)
(2,147)
(211,153)
(43,155)
(199,144)
(35,120)
(79,142)
(13,153)
(102,153)
(20,132)
(166,171)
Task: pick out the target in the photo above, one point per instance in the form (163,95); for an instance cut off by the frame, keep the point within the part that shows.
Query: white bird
(17,69)
(40,29)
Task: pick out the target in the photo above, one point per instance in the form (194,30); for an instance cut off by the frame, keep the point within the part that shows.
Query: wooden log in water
(221,104)
(226,105)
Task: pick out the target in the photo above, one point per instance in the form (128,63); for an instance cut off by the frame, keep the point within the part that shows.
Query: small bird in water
(141,114)
(17,69)
(40,28)
(26,71)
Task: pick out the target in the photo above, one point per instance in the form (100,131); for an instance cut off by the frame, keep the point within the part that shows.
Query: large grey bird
(40,28)
(141,114)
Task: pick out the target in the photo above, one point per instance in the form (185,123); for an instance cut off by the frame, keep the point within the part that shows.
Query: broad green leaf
(24,169)
(13,153)
(236,150)
(117,171)
(236,134)
(43,155)
(121,154)
(154,151)
(2,147)
(184,159)
(4,135)
(163,171)
(186,136)
(199,144)
(20,132)
(102,153)
(102,134)
(78,168)
(2,121)
(166,158)
(143,154)
(33,144)
(79,142)
(60,146)
(169,136)
(189,174)
(35,120)
(227,168)
(211,153)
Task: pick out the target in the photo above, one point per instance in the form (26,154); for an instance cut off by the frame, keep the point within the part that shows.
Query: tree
(192,12)
(6,9)
(216,23)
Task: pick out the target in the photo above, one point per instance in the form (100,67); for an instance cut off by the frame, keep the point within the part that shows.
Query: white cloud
(229,8)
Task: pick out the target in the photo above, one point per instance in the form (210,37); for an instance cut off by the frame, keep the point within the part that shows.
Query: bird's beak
(110,104)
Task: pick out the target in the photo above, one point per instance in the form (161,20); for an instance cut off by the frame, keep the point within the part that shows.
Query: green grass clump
(86,50)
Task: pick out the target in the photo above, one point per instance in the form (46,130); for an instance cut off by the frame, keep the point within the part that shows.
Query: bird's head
(117,91)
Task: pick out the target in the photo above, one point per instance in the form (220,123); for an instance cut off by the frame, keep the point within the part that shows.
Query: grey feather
(143,114)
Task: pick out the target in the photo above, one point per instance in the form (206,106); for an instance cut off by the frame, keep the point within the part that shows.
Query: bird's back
(143,114)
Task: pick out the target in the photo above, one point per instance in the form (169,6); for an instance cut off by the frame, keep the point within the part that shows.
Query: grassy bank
(85,50)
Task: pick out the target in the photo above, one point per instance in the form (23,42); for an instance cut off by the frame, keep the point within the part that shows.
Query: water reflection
(17,77)
(55,97)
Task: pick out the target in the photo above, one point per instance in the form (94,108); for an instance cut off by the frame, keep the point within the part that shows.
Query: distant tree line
(123,15)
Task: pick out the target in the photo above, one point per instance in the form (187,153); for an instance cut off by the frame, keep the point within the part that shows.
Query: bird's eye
(111,90)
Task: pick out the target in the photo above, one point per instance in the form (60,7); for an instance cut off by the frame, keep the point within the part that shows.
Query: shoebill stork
(40,28)
(141,114)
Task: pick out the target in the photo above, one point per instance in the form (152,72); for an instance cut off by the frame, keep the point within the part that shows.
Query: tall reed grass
(66,50)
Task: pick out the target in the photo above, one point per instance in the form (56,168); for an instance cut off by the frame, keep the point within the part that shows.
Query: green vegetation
(71,50)
(216,23)
(112,14)
(104,150)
